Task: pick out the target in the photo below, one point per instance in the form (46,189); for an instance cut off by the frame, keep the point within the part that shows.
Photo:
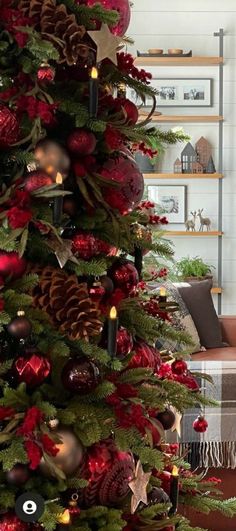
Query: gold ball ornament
(52,157)
(69,456)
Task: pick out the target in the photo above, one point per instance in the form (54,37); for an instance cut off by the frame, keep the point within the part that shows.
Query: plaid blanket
(217,447)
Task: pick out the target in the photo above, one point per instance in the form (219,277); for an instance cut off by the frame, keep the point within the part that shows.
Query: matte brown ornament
(166,418)
(52,158)
(20,327)
(18,475)
(69,456)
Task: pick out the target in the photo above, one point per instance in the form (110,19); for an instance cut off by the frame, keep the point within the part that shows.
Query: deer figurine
(190,223)
(203,221)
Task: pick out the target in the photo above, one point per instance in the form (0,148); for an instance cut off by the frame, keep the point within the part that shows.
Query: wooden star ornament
(62,250)
(107,43)
(138,485)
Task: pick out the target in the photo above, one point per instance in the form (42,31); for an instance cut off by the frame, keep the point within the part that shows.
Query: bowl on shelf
(175,51)
(155,51)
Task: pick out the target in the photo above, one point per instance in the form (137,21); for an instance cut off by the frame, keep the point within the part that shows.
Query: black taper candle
(174,490)
(58,203)
(138,260)
(93,93)
(112,333)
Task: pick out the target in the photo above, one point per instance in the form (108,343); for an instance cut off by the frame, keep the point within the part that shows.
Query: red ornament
(188,380)
(86,245)
(80,376)
(33,369)
(81,142)
(124,276)
(130,109)
(9,127)
(108,472)
(10,522)
(145,356)
(124,342)
(37,179)
(124,171)
(200,425)
(123,8)
(165,478)
(96,292)
(166,418)
(46,73)
(179,367)
(11,265)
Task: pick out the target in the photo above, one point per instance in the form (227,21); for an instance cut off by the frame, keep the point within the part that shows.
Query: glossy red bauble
(179,367)
(9,127)
(108,472)
(37,179)
(166,418)
(145,356)
(123,8)
(130,110)
(86,246)
(124,343)
(96,292)
(45,73)
(200,425)
(10,522)
(11,265)
(125,173)
(124,276)
(32,369)
(81,142)
(80,376)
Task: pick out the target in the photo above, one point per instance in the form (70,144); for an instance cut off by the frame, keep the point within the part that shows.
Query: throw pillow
(181,320)
(198,299)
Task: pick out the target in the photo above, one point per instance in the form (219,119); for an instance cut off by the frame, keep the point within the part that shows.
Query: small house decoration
(178,166)
(198,160)
(188,156)
(204,151)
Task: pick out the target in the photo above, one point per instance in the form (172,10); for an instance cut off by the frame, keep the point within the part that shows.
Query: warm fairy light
(64,518)
(113,313)
(175,471)
(59,179)
(162,292)
(94,73)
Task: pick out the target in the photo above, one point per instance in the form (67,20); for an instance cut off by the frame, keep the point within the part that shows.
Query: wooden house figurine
(188,156)
(197,167)
(204,150)
(178,166)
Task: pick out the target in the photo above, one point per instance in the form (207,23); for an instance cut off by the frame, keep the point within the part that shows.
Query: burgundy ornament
(107,284)
(18,475)
(145,356)
(96,292)
(108,472)
(200,425)
(69,206)
(37,179)
(86,245)
(179,367)
(157,495)
(81,142)
(20,327)
(33,369)
(166,418)
(9,127)
(123,8)
(131,111)
(125,173)
(46,73)
(124,343)
(124,276)
(189,381)
(80,376)
(10,522)
(11,265)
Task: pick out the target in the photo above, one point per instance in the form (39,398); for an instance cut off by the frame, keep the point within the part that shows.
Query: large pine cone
(66,302)
(59,27)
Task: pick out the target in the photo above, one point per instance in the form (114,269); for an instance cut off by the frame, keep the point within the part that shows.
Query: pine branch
(87,15)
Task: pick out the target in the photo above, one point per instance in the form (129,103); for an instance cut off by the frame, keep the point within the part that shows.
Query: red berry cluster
(126,64)
(149,152)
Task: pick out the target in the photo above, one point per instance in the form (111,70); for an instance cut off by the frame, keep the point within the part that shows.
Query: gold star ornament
(107,44)
(138,485)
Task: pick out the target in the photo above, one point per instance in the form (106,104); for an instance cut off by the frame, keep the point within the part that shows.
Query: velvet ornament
(37,179)
(123,8)
(11,265)
(9,127)
(81,142)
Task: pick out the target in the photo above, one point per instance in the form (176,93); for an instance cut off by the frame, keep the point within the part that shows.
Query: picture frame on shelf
(172,199)
(178,92)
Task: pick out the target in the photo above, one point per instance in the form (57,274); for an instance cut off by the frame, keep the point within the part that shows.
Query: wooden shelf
(182,175)
(193,234)
(170,118)
(178,61)
(216,291)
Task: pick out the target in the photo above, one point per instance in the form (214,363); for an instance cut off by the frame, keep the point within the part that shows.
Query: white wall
(190,24)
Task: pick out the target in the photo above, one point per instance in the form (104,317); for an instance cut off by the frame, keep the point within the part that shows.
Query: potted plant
(190,269)
(157,144)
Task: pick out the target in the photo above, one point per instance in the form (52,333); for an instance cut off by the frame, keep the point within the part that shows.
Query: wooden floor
(215,521)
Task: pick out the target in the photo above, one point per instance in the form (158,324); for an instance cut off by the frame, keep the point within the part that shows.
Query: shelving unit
(205,61)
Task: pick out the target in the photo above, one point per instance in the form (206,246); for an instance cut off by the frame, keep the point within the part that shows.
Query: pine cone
(66,302)
(59,27)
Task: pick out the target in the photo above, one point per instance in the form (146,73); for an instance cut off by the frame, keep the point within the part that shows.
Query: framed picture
(180,92)
(171,199)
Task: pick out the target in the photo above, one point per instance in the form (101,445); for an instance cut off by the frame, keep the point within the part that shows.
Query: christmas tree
(85,395)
